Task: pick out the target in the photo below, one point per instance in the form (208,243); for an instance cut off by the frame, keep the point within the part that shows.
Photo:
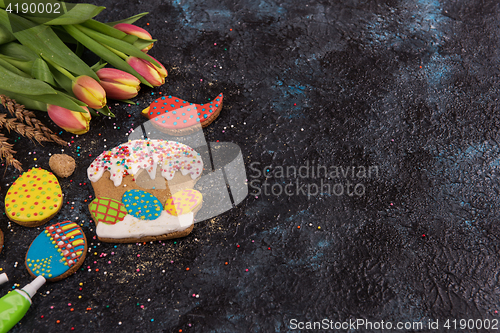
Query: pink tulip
(131,29)
(118,84)
(71,121)
(89,91)
(151,73)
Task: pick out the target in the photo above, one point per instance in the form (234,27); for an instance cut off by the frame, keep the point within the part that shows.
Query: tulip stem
(59,68)
(118,53)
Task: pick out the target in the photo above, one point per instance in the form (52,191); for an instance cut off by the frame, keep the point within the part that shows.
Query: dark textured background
(409,86)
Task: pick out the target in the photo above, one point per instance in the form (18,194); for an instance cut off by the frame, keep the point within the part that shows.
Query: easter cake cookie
(34,198)
(133,185)
(175,116)
(57,252)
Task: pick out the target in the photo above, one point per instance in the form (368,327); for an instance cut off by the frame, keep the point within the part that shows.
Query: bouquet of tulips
(40,64)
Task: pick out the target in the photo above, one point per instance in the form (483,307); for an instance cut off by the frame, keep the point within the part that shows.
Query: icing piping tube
(15,304)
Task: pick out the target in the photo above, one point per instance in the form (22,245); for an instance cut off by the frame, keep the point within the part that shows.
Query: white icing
(135,155)
(133,227)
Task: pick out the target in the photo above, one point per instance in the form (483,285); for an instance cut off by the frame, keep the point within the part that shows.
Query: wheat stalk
(38,130)
(7,153)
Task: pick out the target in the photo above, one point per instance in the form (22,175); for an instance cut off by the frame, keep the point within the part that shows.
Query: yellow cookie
(183,202)
(34,198)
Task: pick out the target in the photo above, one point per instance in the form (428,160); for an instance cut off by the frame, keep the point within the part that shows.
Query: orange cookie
(34,198)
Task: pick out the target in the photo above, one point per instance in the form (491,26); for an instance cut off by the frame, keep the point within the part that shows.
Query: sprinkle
(187,269)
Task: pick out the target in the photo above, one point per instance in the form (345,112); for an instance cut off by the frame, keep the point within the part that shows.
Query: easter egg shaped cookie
(142,205)
(107,210)
(34,198)
(57,252)
(184,202)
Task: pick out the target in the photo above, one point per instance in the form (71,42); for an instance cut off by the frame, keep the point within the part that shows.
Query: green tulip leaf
(142,43)
(104,29)
(17,83)
(16,50)
(131,39)
(74,14)
(98,65)
(60,99)
(41,71)
(44,41)
(93,113)
(5,35)
(63,35)
(27,101)
(62,80)
(104,53)
(128,20)
(116,44)
(14,65)
(105,111)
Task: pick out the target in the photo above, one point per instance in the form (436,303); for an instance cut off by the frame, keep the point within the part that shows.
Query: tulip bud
(131,29)
(118,84)
(151,73)
(89,91)
(71,121)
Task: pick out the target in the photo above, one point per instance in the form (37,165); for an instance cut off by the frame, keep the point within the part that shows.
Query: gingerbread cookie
(34,198)
(132,181)
(175,116)
(57,252)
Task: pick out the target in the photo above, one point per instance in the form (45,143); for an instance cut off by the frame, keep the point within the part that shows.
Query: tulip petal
(89,91)
(148,71)
(73,122)
(119,91)
(118,76)
(133,30)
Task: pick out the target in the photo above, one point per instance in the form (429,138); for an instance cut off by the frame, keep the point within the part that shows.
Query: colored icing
(174,113)
(130,157)
(56,250)
(107,210)
(183,202)
(34,196)
(142,205)
(132,227)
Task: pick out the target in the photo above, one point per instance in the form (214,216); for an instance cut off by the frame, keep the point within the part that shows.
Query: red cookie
(175,116)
